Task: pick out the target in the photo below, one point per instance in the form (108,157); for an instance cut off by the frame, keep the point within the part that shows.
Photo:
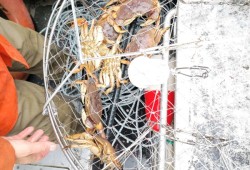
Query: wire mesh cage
(106,61)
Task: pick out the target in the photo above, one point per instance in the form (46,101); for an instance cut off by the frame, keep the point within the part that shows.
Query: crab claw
(84,140)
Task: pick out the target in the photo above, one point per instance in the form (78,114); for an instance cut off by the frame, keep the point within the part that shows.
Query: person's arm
(7,155)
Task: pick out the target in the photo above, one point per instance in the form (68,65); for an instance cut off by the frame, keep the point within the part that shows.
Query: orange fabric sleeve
(7,155)
(8,100)
(8,52)
(8,95)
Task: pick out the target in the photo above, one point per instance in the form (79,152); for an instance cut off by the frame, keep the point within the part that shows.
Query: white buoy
(144,72)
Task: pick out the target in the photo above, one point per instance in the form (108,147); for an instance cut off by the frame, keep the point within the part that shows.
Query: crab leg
(114,1)
(112,84)
(154,14)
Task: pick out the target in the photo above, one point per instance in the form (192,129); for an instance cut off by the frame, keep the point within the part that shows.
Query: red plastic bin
(152,108)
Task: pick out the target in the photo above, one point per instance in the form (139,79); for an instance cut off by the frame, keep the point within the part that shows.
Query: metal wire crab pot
(113,65)
(121,118)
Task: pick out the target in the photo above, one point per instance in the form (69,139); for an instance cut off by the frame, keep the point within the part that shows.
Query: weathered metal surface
(218,106)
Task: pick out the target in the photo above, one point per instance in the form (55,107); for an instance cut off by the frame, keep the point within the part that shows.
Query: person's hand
(30,148)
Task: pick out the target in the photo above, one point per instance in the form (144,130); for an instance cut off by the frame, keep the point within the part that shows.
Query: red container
(152,108)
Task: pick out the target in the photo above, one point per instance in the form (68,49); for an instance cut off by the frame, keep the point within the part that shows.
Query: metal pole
(164,98)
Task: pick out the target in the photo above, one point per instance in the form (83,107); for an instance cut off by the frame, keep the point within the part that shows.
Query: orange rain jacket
(8,101)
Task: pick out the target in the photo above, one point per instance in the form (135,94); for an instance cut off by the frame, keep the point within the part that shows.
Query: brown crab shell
(131,9)
(93,103)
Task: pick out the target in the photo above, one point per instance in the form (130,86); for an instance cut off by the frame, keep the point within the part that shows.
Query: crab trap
(113,63)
